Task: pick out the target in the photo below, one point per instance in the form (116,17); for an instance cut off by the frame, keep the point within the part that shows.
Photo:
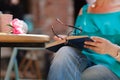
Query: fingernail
(85,42)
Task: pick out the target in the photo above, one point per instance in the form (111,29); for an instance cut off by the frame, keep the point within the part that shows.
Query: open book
(74,41)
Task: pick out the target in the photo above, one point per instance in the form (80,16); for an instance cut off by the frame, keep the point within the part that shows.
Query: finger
(91,47)
(98,39)
(91,43)
(62,36)
(56,38)
(96,49)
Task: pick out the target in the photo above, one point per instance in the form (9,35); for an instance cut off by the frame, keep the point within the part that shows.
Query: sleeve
(87,23)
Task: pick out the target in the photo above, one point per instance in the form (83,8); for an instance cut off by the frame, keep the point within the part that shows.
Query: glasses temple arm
(74,27)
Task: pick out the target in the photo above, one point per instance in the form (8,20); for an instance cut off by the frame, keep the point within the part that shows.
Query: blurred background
(39,15)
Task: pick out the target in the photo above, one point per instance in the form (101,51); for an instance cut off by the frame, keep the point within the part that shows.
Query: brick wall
(45,14)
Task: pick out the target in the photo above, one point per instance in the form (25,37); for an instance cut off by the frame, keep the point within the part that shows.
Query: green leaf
(9,25)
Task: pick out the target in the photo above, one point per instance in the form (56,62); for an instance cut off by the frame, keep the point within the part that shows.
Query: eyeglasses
(59,21)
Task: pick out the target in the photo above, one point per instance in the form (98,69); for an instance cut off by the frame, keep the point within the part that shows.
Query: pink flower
(18,26)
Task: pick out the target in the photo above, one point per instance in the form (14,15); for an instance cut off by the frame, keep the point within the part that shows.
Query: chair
(30,66)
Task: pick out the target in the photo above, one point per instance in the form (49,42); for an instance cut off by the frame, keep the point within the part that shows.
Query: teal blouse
(106,25)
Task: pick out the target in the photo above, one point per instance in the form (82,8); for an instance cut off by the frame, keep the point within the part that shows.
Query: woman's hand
(102,46)
(61,37)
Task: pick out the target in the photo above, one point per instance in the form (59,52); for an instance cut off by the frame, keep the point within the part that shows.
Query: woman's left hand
(102,46)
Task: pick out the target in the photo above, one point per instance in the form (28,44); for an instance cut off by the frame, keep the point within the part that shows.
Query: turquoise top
(106,25)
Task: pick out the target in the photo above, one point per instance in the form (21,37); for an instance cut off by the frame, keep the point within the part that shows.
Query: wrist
(115,50)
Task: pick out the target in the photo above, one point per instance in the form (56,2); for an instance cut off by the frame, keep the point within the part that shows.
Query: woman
(100,59)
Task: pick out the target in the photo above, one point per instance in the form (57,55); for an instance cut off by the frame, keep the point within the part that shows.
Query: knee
(64,54)
(64,49)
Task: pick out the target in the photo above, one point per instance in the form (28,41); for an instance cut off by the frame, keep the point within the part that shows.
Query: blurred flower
(18,26)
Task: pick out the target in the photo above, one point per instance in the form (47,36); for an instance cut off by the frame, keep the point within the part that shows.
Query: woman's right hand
(61,37)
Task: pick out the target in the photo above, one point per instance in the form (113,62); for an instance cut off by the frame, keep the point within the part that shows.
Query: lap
(98,72)
(70,61)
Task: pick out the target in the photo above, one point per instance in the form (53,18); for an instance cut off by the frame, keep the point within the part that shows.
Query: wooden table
(18,41)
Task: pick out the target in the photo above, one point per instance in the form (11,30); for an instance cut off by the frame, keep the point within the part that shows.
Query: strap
(84,9)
